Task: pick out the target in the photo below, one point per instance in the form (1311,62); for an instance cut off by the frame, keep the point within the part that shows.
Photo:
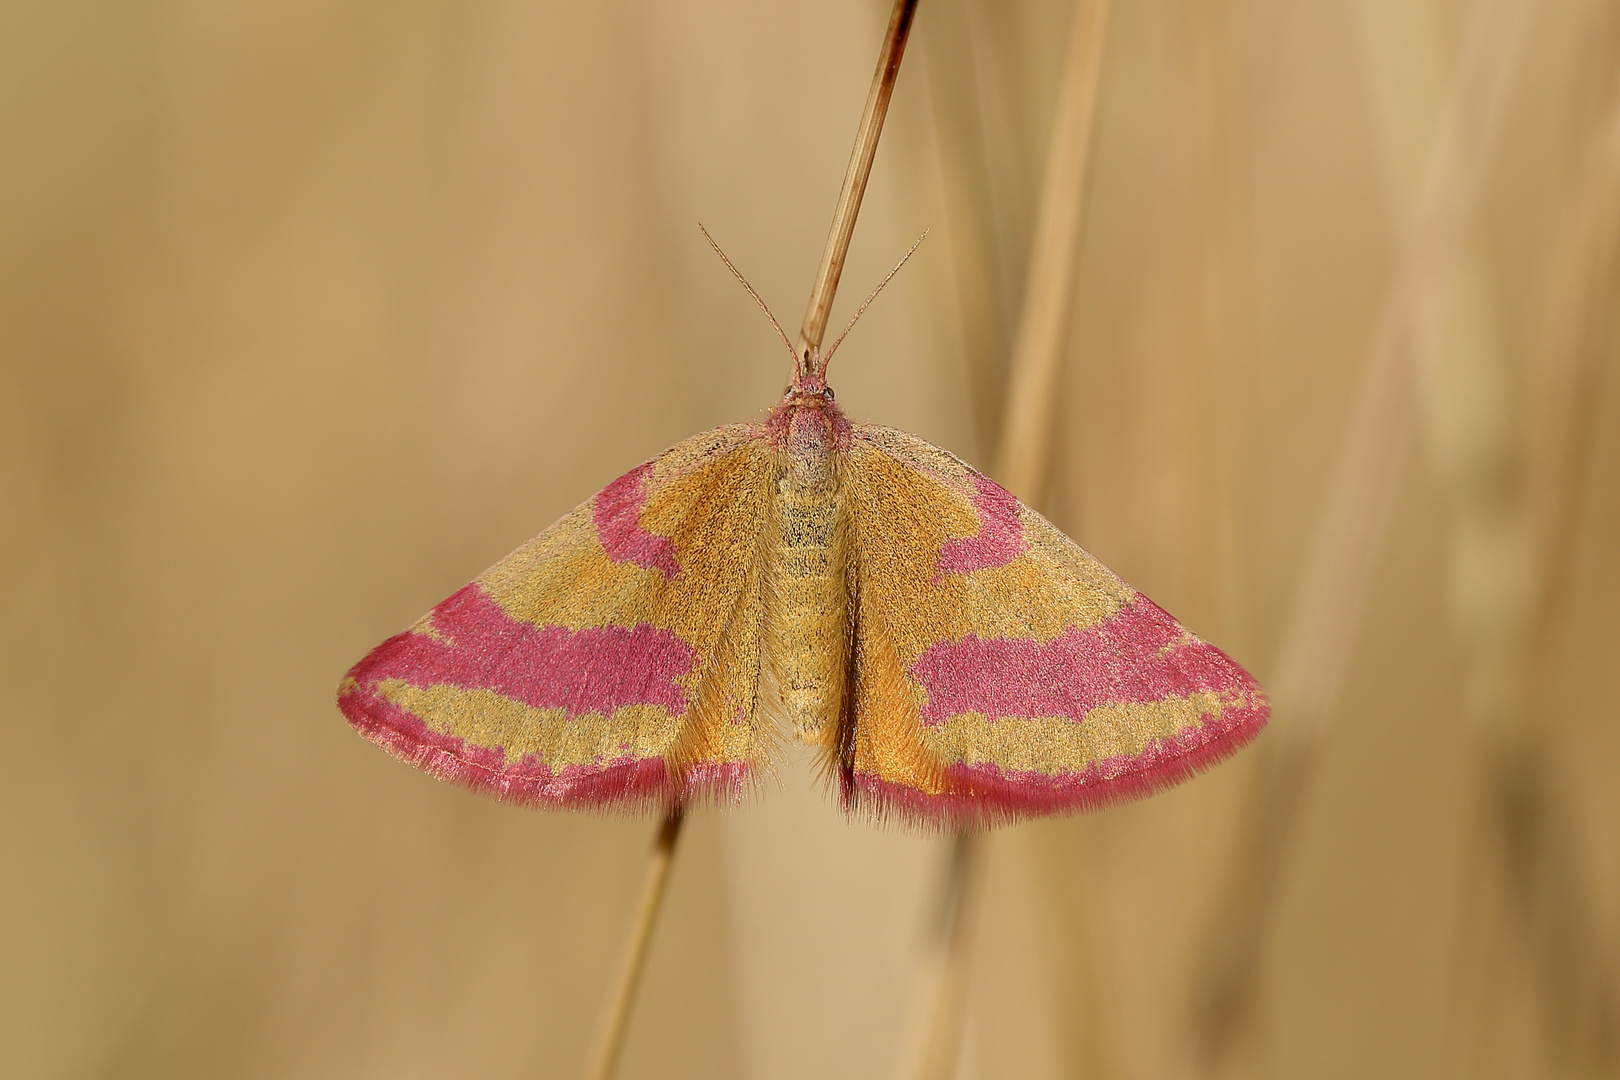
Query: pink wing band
(982,795)
(474,645)
(1000,538)
(1138,654)
(621,783)
(617,517)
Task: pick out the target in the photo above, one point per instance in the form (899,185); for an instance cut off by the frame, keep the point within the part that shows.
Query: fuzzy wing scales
(1000,671)
(610,661)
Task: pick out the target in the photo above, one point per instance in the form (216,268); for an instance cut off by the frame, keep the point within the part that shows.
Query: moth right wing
(613,660)
(1000,671)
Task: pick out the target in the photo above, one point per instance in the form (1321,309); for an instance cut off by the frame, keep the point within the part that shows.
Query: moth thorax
(810,442)
(806,595)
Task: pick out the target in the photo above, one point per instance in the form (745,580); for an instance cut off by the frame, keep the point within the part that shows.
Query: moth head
(809,385)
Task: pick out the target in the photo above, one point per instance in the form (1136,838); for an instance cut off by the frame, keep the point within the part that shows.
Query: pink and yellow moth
(954,658)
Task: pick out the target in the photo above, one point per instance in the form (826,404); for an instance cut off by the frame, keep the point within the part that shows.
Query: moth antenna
(738,275)
(828,355)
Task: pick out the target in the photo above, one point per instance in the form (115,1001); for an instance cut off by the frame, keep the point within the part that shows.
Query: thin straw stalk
(616,1016)
(855,177)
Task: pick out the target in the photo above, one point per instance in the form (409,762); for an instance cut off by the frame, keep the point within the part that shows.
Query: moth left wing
(1000,672)
(610,661)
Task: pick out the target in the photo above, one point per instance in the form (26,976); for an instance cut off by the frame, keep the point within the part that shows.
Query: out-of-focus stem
(1351,525)
(1043,329)
(616,1016)
(943,1041)
(1532,846)
(1026,438)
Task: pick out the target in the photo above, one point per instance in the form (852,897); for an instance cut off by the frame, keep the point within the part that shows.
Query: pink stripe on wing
(979,795)
(617,516)
(624,783)
(1138,654)
(477,646)
(1000,538)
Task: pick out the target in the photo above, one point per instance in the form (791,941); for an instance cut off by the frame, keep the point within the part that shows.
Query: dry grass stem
(616,1016)
(1026,440)
(1351,525)
(1578,331)
(1043,329)
(617,1013)
(855,177)
(1528,892)
(945,988)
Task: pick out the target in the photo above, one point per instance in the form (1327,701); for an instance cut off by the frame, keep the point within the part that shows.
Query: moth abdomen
(806,597)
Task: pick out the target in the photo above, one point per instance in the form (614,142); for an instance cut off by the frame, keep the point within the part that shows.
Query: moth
(953,658)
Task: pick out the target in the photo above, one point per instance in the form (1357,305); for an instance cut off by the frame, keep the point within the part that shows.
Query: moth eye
(827,393)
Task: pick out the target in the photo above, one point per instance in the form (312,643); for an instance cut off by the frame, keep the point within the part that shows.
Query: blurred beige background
(309,312)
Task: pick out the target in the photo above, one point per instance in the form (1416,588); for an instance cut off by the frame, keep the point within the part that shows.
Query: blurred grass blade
(1350,528)
(1025,447)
